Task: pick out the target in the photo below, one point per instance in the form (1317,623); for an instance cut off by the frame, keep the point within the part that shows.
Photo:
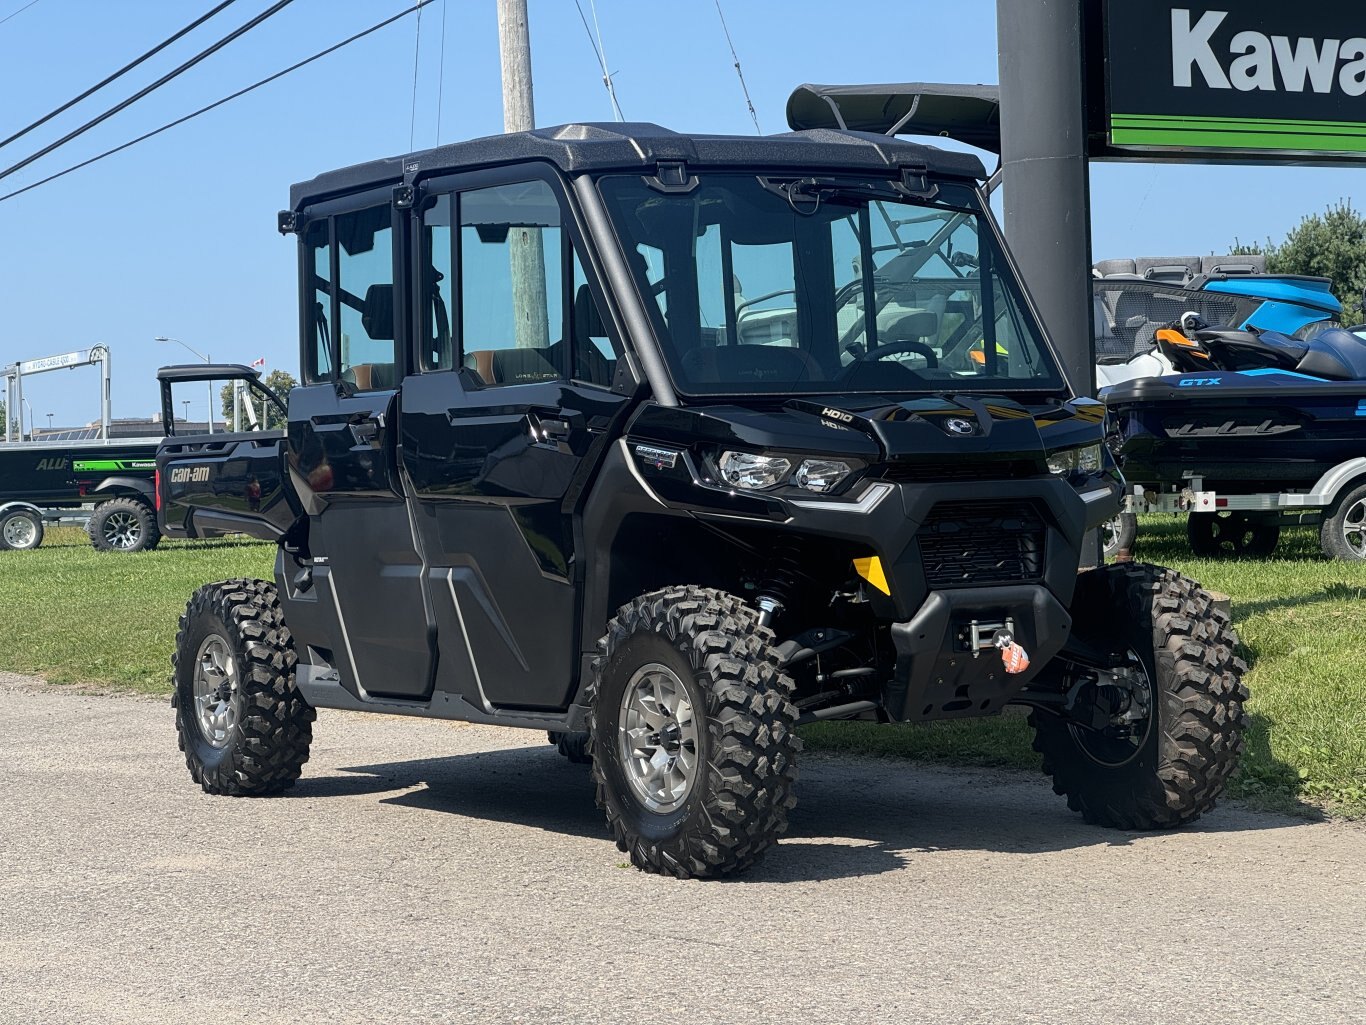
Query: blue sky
(177,236)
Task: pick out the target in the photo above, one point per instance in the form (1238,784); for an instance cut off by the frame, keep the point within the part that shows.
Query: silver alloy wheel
(20,532)
(1354,528)
(122,529)
(658,738)
(1110,533)
(215,690)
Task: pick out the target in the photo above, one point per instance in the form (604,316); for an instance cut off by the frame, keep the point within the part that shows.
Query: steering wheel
(906,345)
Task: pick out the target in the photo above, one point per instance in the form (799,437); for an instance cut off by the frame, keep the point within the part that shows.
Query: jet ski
(1256,421)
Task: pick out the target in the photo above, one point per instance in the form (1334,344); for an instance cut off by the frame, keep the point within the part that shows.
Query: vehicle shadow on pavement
(854,817)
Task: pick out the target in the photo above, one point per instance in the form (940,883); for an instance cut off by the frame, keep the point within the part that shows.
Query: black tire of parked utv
(144,520)
(1188,648)
(268,745)
(573,746)
(1119,534)
(13,538)
(1345,516)
(740,800)
(1232,533)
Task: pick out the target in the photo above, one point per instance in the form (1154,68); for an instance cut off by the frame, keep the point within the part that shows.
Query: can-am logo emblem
(958,426)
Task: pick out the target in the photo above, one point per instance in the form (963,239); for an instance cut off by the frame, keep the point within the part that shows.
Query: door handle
(365,431)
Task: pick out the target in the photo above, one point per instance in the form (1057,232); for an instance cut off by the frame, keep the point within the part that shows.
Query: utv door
(500,427)
(341,451)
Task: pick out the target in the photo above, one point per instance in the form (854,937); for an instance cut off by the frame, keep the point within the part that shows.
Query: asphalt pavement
(437,872)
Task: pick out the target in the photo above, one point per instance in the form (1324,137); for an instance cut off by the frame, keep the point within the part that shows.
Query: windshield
(818,285)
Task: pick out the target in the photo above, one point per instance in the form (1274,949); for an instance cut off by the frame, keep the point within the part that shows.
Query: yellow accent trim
(870,569)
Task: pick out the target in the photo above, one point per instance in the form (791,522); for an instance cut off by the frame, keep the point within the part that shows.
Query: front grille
(966,469)
(966,544)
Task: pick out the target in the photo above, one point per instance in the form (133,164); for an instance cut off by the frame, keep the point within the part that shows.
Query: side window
(595,356)
(438,350)
(318,345)
(365,298)
(512,284)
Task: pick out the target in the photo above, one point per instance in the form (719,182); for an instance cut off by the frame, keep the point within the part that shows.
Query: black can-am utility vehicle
(665,445)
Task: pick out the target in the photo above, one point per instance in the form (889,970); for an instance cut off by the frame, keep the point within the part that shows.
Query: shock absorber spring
(781,574)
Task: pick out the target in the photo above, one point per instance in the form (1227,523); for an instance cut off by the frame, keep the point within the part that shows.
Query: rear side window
(351,324)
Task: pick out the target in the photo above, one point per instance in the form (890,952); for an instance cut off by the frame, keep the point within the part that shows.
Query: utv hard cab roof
(580,148)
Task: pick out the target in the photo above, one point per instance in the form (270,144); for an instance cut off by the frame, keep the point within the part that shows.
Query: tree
(1330,245)
(278,381)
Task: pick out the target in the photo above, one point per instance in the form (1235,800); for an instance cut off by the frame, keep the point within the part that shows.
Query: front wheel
(1177,729)
(20,530)
(692,733)
(243,725)
(1343,532)
(1119,534)
(124,525)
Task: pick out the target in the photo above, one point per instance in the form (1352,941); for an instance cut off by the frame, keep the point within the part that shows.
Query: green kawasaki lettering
(110,465)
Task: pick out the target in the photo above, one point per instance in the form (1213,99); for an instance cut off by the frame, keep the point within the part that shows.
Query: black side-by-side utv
(666,445)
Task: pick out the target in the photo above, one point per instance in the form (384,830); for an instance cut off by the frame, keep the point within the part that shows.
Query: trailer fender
(1336,480)
(7,506)
(122,485)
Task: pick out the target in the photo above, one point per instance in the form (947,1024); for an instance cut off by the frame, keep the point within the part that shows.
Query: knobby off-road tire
(259,727)
(573,746)
(1235,533)
(123,525)
(1342,534)
(20,530)
(743,722)
(1195,731)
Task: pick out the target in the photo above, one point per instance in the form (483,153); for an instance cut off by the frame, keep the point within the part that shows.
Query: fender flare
(1335,481)
(140,485)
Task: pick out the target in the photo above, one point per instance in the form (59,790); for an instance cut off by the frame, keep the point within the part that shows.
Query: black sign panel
(1259,78)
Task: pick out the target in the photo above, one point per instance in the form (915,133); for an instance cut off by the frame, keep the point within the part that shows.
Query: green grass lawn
(76,615)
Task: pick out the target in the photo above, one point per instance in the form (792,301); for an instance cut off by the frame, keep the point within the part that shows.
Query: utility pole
(526,246)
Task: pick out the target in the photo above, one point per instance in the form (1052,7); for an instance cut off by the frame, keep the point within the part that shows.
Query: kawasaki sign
(1242,77)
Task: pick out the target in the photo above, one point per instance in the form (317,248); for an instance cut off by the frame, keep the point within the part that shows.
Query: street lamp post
(186,404)
(49,421)
(206,359)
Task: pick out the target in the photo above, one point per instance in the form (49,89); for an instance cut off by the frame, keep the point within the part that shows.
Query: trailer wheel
(124,525)
(692,733)
(1119,534)
(1343,532)
(1232,533)
(20,530)
(243,725)
(1174,740)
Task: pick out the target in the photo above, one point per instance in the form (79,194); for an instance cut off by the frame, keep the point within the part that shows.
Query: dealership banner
(1242,76)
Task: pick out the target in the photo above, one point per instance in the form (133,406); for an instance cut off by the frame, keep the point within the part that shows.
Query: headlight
(820,474)
(1075,460)
(753,472)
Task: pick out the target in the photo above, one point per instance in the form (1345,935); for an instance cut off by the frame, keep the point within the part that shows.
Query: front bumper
(940,674)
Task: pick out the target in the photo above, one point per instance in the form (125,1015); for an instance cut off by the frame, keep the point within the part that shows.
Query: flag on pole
(260,362)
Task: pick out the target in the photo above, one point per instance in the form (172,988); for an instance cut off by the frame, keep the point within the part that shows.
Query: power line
(736,57)
(417,51)
(218,103)
(278,6)
(601,56)
(18,12)
(117,74)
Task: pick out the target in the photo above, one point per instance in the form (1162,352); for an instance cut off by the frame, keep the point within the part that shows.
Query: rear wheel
(573,746)
(20,530)
(1175,727)
(124,525)
(1232,533)
(1343,533)
(244,727)
(692,733)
